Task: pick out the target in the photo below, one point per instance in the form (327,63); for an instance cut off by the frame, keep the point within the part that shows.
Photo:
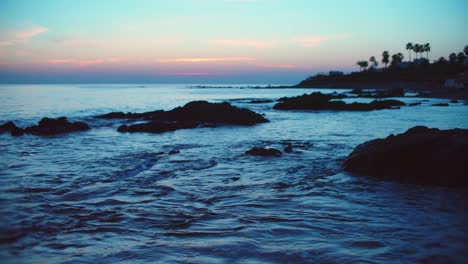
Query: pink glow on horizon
(83,62)
(198,60)
(187,74)
(272,65)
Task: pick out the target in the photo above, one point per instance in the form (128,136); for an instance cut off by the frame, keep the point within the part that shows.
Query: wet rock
(421,155)
(52,126)
(454,101)
(414,104)
(8,127)
(320,101)
(288,148)
(440,104)
(265,152)
(196,114)
(218,113)
(174,151)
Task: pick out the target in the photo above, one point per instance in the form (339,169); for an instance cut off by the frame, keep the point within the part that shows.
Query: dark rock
(414,104)
(357,91)
(288,148)
(320,101)
(453,101)
(421,155)
(8,127)
(51,126)
(218,113)
(440,104)
(196,114)
(265,152)
(174,151)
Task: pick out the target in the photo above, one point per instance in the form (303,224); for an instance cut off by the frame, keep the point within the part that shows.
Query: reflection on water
(103,196)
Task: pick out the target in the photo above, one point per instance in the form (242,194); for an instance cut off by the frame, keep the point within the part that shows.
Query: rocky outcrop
(440,104)
(421,155)
(8,127)
(51,126)
(320,101)
(265,152)
(196,114)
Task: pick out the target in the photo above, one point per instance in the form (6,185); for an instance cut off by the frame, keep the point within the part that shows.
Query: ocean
(193,196)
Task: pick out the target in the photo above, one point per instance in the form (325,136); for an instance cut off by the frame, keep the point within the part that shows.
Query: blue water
(102,196)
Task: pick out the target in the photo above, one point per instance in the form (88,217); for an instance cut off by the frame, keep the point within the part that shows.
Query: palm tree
(466,50)
(385,58)
(374,61)
(461,57)
(363,64)
(427,49)
(409,47)
(417,49)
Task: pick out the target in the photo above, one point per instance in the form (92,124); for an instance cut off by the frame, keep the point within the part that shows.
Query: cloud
(316,41)
(22,36)
(201,60)
(244,43)
(29,33)
(84,62)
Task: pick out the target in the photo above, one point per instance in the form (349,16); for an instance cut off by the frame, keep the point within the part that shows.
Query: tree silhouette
(453,58)
(427,49)
(409,47)
(385,58)
(397,59)
(363,64)
(374,61)
(466,50)
(461,58)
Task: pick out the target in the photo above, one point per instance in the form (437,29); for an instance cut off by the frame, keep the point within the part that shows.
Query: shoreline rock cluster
(421,155)
(45,127)
(320,101)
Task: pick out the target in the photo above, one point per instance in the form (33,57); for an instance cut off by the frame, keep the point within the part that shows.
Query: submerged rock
(320,101)
(440,104)
(421,155)
(196,114)
(265,152)
(51,126)
(260,101)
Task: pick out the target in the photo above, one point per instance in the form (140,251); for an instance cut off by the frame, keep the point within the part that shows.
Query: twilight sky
(214,41)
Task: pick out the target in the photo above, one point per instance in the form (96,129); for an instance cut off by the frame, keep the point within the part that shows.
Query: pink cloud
(27,34)
(209,59)
(83,62)
(315,41)
(244,43)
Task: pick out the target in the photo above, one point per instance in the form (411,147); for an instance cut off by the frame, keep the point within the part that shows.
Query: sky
(214,41)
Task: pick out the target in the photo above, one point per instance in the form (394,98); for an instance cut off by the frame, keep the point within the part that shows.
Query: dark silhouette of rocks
(454,101)
(196,114)
(265,152)
(421,155)
(383,93)
(51,126)
(320,101)
(440,104)
(8,127)
(130,115)
(288,148)
(414,104)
